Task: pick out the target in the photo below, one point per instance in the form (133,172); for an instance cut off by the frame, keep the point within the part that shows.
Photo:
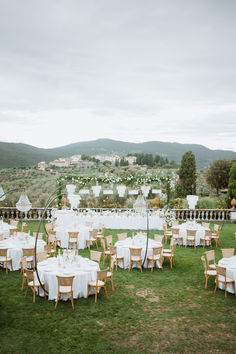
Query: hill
(15,154)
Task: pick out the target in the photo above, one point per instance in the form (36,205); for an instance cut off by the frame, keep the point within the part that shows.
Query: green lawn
(167,311)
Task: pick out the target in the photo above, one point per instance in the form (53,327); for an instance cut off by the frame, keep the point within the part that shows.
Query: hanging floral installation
(94,182)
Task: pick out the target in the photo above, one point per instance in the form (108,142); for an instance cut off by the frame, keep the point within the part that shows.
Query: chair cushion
(211,272)
(73,240)
(3,259)
(212,266)
(109,274)
(155,258)
(30,259)
(64,289)
(191,238)
(36,283)
(221,278)
(136,258)
(169,254)
(93,283)
(167,250)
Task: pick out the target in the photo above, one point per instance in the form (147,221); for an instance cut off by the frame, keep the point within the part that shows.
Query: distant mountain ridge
(18,154)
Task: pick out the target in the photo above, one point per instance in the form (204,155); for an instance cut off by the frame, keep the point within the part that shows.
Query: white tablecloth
(111,219)
(5,228)
(230,265)
(15,245)
(191,225)
(139,241)
(62,234)
(83,269)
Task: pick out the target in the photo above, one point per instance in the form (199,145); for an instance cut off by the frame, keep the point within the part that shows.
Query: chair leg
(96,294)
(72,300)
(6,268)
(112,285)
(33,295)
(57,301)
(88,291)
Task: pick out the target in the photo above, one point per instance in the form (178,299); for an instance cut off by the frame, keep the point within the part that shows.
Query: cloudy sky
(131,70)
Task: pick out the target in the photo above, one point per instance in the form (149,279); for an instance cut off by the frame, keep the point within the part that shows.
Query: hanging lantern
(96,190)
(23,203)
(140,205)
(121,190)
(2,194)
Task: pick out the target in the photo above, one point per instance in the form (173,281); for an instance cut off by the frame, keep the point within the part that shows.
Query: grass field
(157,312)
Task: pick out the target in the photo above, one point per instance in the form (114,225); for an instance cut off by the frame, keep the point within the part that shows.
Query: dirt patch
(129,286)
(148,294)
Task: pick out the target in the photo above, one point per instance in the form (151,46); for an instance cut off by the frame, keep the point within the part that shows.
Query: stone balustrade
(7,213)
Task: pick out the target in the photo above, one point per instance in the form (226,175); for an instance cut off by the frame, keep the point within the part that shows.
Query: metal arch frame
(13,190)
(48,203)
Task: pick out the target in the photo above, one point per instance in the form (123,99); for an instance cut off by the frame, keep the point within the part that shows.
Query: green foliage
(217,176)
(124,162)
(232,184)
(187,175)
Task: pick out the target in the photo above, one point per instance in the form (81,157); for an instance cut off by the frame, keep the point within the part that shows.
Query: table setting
(230,265)
(15,244)
(191,225)
(137,241)
(66,264)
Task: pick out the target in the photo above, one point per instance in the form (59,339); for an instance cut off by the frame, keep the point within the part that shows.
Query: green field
(157,312)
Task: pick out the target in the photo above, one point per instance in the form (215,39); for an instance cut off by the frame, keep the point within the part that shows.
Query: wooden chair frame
(156,256)
(210,256)
(135,257)
(227,252)
(65,282)
(73,239)
(32,284)
(207,272)
(5,259)
(221,277)
(191,236)
(115,258)
(99,283)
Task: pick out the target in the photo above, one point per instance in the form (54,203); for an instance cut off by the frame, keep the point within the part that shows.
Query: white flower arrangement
(168,215)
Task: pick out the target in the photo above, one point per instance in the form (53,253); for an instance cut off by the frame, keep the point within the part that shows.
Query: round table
(62,234)
(138,241)
(230,265)
(191,225)
(15,244)
(5,228)
(83,269)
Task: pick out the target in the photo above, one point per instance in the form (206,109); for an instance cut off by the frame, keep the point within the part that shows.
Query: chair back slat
(41,256)
(220,271)
(29,275)
(3,252)
(191,232)
(109,240)
(95,256)
(65,281)
(101,274)
(158,238)
(28,252)
(227,252)
(135,252)
(175,231)
(122,236)
(113,250)
(157,251)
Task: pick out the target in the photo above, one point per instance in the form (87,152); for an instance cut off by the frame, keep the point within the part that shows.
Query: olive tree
(217,176)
